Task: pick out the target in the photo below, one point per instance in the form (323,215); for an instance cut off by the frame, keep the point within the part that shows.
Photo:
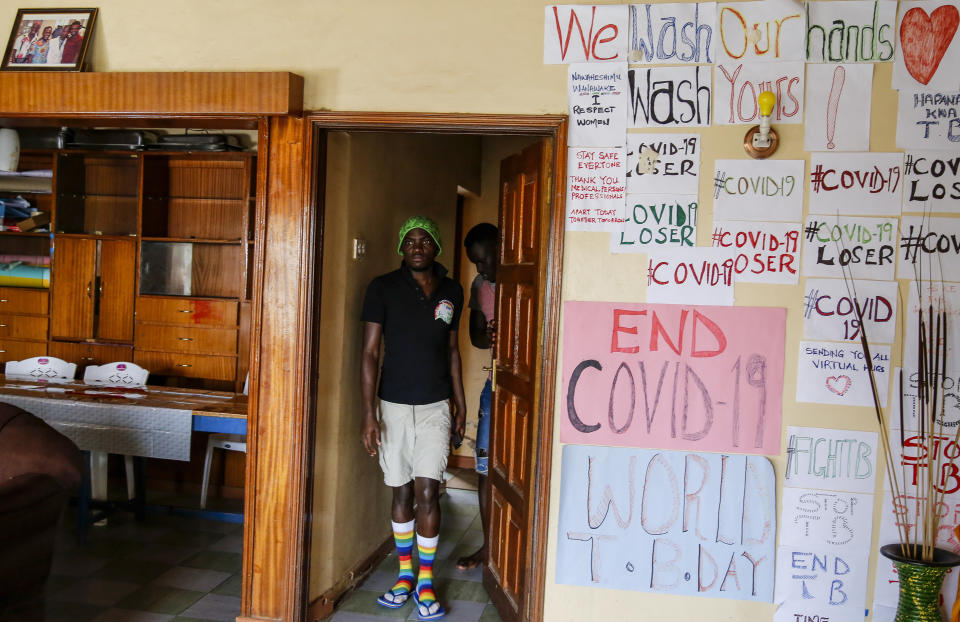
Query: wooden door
(522,224)
(74,282)
(118,261)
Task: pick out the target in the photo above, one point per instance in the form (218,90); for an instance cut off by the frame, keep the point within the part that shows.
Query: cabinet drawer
(19,350)
(187,311)
(84,354)
(191,365)
(23,326)
(186,339)
(20,300)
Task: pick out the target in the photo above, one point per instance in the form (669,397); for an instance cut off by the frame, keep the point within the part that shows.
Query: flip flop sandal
(436,615)
(393,604)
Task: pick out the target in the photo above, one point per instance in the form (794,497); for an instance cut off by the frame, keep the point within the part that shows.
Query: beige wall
(374,183)
(411,55)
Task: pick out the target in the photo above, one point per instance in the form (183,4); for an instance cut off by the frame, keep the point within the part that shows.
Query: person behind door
(481,245)
(416,310)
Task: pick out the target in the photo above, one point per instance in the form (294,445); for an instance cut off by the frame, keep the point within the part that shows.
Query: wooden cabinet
(93,289)
(84,354)
(147,259)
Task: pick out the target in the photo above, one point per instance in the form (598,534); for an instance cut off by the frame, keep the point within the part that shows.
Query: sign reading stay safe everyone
(690,377)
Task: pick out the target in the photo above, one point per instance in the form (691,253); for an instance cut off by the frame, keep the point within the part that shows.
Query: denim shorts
(483,428)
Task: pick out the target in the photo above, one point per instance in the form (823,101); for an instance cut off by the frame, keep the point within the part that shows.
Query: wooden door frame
(289,234)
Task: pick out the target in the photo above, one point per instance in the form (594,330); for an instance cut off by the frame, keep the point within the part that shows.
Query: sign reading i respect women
(758,190)
(686,377)
(597,103)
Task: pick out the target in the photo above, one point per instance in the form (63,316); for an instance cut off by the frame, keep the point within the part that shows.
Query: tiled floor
(460,592)
(165,568)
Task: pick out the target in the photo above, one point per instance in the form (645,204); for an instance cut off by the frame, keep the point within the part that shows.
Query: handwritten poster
(931,182)
(928,46)
(597,104)
(669,97)
(656,220)
(936,297)
(583,33)
(929,249)
(828,504)
(856,184)
(832,308)
(673,33)
(858,247)
(737,85)
(758,190)
(830,459)
(851,31)
(823,559)
(673,376)
(667,522)
(929,120)
(837,373)
(838,105)
(766,30)
(822,582)
(596,188)
(949,415)
(663,163)
(695,275)
(764,252)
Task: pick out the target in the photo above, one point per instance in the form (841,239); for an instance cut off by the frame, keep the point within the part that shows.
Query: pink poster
(689,377)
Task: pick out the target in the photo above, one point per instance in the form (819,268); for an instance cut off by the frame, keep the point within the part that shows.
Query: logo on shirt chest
(444,311)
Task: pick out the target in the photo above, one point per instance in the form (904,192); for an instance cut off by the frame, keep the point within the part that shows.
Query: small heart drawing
(839,384)
(924,39)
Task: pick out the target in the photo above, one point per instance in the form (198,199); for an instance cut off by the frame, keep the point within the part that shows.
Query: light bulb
(766,101)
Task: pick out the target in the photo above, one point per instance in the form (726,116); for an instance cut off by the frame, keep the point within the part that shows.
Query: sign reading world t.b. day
(668,522)
(688,377)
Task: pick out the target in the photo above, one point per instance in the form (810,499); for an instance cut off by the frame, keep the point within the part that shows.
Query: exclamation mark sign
(833,102)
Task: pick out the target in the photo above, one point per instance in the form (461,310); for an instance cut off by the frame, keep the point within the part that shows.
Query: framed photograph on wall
(49,40)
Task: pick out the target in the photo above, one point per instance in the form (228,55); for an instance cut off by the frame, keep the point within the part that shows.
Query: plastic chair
(118,374)
(44,368)
(227,442)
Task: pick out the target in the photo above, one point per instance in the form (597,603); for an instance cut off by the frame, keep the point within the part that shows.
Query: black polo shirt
(416,335)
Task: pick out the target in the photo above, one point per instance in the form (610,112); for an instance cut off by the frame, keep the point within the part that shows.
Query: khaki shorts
(414,441)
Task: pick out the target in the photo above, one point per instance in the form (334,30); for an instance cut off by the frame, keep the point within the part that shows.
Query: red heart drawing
(924,39)
(839,384)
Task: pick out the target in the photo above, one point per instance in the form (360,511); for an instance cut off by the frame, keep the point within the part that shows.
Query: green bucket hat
(420,222)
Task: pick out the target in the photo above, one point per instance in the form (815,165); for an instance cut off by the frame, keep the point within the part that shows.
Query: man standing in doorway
(416,310)
(481,243)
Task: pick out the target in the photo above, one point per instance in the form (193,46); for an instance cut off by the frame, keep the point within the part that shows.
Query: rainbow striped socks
(427,606)
(398,594)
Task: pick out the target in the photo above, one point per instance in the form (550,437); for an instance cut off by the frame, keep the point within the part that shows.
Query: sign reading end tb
(585,33)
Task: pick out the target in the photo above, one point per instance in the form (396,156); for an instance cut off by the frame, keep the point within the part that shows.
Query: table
(150,422)
(143,422)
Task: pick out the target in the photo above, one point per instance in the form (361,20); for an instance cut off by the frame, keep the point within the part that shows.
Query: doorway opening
(370,172)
